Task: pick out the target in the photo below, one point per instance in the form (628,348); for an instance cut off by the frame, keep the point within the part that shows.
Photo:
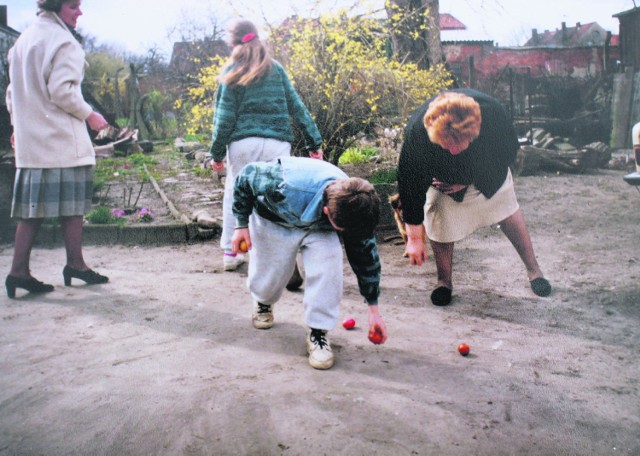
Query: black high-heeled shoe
(31,285)
(89,276)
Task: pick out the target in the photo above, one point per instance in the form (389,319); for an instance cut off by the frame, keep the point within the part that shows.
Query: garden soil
(163,359)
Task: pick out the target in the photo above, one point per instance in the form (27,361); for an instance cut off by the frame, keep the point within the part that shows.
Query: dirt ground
(163,359)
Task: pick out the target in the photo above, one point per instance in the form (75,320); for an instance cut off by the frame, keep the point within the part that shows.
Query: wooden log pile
(552,154)
(125,140)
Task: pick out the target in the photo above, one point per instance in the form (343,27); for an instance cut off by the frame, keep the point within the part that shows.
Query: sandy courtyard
(164,360)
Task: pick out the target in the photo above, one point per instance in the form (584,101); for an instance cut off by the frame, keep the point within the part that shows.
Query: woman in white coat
(54,153)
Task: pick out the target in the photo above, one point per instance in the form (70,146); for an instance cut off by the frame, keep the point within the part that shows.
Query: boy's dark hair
(354,205)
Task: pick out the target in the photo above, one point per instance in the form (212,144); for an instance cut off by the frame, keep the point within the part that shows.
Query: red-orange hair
(453,118)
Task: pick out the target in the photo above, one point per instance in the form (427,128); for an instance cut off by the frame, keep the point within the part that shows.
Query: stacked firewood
(551,154)
(125,140)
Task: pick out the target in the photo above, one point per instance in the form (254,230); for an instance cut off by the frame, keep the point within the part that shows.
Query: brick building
(583,51)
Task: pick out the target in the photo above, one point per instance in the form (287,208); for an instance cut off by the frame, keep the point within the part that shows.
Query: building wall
(630,38)
(490,61)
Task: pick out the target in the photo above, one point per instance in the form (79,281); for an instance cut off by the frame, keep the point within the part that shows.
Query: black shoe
(31,285)
(540,286)
(441,296)
(89,276)
(296,280)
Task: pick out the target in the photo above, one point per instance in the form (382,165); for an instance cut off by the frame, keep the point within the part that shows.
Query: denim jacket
(289,192)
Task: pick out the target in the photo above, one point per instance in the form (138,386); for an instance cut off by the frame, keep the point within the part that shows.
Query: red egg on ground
(349,323)
(464,349)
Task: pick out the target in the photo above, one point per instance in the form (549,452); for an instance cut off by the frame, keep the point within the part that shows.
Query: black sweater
(484,163)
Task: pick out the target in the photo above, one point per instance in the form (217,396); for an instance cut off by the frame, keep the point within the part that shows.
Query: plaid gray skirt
(52,192)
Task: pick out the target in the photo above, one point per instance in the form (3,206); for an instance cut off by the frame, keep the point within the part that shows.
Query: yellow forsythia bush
(342,68)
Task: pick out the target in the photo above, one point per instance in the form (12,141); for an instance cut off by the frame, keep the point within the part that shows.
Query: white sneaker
(262,316)
(319,349)
(232,262)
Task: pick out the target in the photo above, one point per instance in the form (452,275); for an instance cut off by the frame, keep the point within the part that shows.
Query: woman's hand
(96,121)
(447,188)
(239,235)
(318,154)
(217,166)
(416,249)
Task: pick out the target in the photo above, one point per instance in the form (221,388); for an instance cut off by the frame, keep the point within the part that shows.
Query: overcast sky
(137,25)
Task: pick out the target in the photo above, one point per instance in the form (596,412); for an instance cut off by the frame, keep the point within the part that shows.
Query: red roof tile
(448,22)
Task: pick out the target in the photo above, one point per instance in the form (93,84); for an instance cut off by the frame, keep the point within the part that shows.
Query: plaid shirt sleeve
(364,259)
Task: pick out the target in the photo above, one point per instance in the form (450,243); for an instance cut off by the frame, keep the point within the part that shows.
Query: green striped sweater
(262,109)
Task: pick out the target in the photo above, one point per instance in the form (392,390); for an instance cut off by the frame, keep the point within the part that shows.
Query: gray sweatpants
(239,153)
(273,258)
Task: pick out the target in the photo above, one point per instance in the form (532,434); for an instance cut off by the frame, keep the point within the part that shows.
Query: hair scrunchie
(248,37)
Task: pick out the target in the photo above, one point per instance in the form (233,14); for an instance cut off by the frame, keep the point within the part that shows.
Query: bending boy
(301,204)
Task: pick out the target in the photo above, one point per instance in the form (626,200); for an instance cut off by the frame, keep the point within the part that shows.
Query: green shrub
(197,137)
(122,122)
(51,221)
(202,172)
(341,67)
(157,111)
(357,155)
(369,151)
(352,156)
(101,215)
(99,183)
(384,176)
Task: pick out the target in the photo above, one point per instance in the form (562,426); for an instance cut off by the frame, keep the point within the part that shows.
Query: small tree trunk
(143,128)
(408,35)
(434,45)
(133,93)
(416,31)
(135,102)
(117,97)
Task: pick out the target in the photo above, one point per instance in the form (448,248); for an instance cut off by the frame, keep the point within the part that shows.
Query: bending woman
(456,156)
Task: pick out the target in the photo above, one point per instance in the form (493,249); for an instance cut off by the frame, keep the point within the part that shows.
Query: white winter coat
(44,99)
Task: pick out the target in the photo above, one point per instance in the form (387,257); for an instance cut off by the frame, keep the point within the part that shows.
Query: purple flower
(145,215)
(117,213)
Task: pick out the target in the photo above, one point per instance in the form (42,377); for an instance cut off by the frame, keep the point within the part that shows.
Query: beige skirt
(449,221)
